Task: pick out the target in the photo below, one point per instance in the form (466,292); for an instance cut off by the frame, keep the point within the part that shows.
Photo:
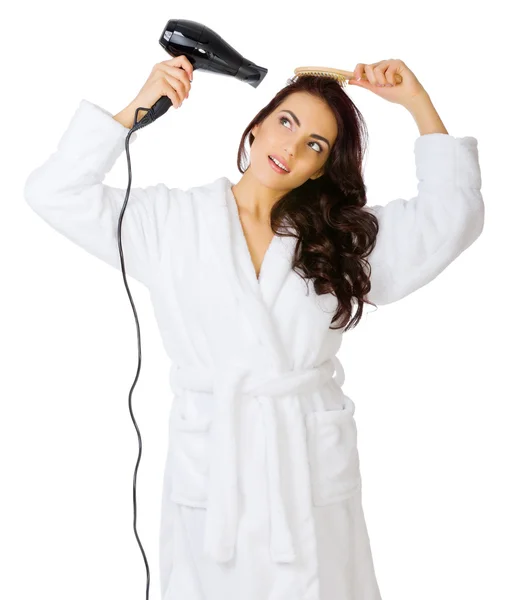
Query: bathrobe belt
(227,385)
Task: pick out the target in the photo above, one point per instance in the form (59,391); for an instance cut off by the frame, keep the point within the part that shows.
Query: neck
(254,199)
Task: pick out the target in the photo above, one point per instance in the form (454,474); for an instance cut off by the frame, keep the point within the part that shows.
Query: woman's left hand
(384,72)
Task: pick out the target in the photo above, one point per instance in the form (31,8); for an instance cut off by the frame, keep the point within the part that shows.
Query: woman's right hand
(169,78)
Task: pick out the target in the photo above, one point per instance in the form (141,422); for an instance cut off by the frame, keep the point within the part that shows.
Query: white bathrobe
(262,485)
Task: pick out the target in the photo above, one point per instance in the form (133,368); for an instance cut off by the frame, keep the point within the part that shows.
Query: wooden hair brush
(338,75)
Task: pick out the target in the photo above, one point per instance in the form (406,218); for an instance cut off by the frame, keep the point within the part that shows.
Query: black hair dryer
(205,50)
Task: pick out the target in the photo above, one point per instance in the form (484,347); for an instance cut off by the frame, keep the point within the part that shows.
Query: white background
(428,374)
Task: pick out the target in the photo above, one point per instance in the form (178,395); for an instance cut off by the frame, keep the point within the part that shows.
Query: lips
(281,160)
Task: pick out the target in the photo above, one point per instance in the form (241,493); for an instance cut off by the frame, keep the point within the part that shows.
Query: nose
(290,147)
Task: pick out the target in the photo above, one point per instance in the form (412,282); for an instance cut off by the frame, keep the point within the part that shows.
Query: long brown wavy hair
(334,234)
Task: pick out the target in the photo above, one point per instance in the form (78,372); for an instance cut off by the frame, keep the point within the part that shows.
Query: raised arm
(420,237)
(67,192)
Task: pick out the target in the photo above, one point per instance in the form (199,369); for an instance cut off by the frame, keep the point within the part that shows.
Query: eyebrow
(314,135)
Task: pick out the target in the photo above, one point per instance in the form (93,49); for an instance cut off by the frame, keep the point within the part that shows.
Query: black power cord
(161,106)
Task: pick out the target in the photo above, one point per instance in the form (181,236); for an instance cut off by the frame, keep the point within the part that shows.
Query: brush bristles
(336,75)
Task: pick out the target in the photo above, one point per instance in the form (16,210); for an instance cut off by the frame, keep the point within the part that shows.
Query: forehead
(313,113)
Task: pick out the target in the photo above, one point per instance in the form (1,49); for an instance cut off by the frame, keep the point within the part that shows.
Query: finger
(178,87)
(380,78)
(379,70)
(183,69)
(390,76)
(359,71)
(171,91)
(181,61)
(186,64)
(180,75)
(368,69)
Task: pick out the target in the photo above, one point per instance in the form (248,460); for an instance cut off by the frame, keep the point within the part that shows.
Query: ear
(254,130)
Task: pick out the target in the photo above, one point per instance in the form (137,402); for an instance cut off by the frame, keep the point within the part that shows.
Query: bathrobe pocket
(190,459)
(333,454)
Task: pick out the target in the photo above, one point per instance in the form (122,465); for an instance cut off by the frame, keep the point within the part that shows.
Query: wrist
(419,101)
(424,113)
(127,116)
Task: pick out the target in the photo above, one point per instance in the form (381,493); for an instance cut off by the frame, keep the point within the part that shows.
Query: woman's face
(304,145)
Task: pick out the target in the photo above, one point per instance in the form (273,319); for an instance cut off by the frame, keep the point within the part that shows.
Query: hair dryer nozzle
(251,73)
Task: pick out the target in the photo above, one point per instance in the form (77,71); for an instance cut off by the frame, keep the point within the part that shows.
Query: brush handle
(336,72)
(350,75)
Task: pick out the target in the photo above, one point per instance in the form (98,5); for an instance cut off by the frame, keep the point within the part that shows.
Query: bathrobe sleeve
(421,236)
(67,192)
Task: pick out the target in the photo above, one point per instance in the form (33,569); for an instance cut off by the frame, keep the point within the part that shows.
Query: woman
(252,285)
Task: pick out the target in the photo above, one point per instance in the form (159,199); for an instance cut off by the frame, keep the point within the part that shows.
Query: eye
(286,119)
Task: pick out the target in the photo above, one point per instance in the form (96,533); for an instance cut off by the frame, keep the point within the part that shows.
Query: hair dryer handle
(159,108)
